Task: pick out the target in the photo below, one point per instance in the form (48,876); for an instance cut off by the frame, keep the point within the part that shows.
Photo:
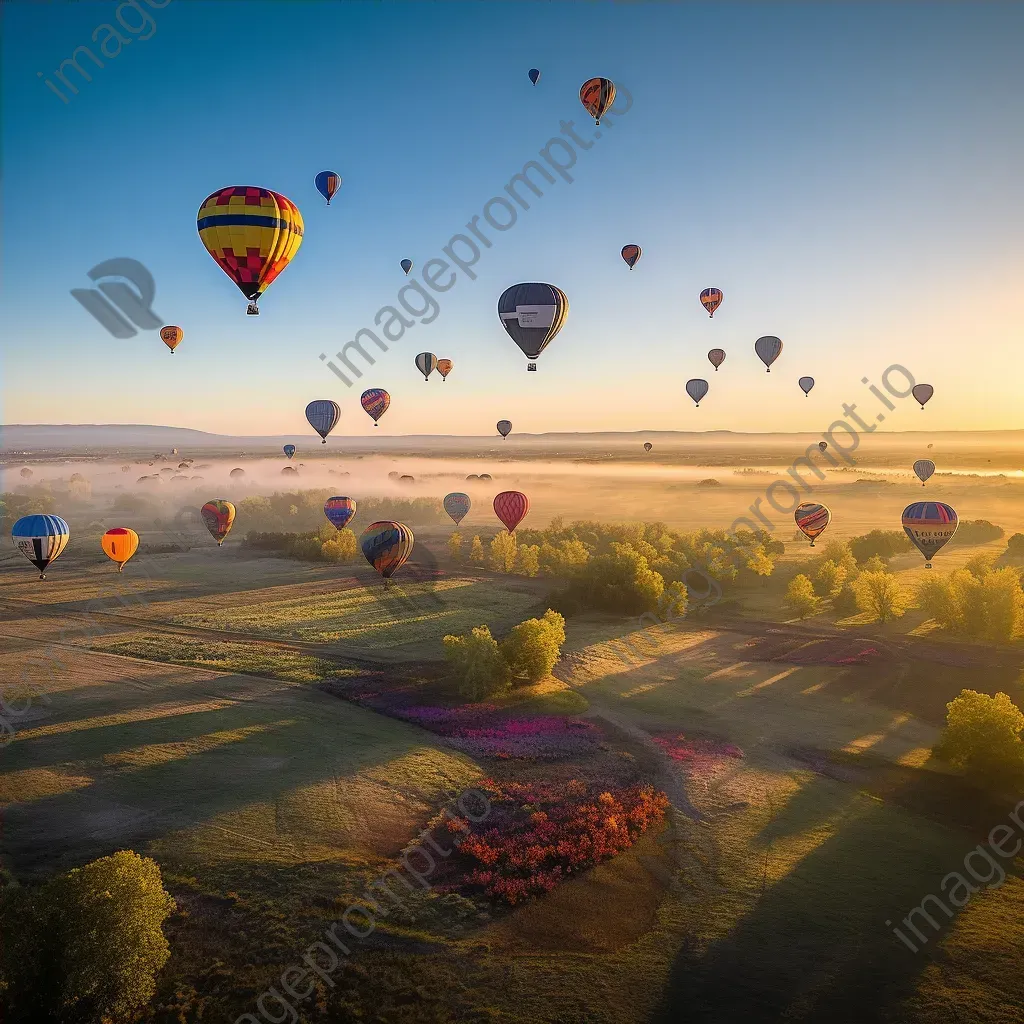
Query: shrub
(880,594)
(532,648)
(800,596)
(983,737)
(884,543)
(477,663)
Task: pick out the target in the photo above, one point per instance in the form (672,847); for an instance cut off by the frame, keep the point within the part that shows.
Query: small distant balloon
(120,544)
(375,402)
(648,446)
(457,505)
(323,416)
(631,253)
(812,519)
(289,450)
(922,392)
(339,511)
(26,473)
(929,446)
(171,336)
(236,474)
(924,468)
(534,75)
(806,383)
(929,525)
(597,95)
(444,367)
(697,389)
(327,183)
(711,299)
(768,350)
(511,507)
(406,265)
(426,363)
(219,517)
(716,357)
(822,445)
(387,546)
(504,427)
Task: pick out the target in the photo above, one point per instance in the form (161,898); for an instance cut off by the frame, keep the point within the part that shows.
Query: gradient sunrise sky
(849,175)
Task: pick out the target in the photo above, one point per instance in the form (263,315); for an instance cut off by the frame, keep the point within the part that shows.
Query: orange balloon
(444,367)
(171,337)
(120,544)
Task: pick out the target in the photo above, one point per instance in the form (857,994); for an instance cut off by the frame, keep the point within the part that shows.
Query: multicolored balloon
(444,367)
(806,383)
(929,525)
(375,402)
(41,539)
(631,253)
(426,363)
(711,299)
(597,95)
(457,505)
(768,350)
(323,416)
(534,75)
(716,357)
(289,450)
(387,546)
(252,235)
(406,265)
(511,508)
(648,446)
(219,517)
(327,183)
(120,544)
(812,519)
(533,314)
(922,392)
(822,445)
(339,511)
(924,468)
(171,336)
(504,427)
(697,389)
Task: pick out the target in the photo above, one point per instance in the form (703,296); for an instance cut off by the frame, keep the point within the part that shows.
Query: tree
(527,559)
(1015,546)
(342,547)
(884,543)
(880,594)
(620,581)
(800,596)
(86,946)
(674,601)
(455,546)
(875,564)
(838,551)
(988,606)
(477,663)
(983,736)
(476,552)
(503,551)
(532,648)
(829,579)
(563,559)
(844,604)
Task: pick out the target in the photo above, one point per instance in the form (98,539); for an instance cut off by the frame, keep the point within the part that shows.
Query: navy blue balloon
(534,75)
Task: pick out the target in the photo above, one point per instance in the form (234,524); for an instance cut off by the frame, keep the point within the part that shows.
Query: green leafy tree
(620,581)
(880,594)
(527,559)
(838,551)
(875,564)
(343,547)
(476,552)
(844,604)
(503,551)
(455,546)
(983,737)
(829,579)
(563,558)
(532,648)
(673,602)
(884,543)
(987,606)
(800,596)
(477,663)
(1015,546)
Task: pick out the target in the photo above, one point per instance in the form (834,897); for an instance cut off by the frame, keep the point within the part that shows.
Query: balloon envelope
(41,539)
(711,299)
(171,336)
(631,253)
(375,402)
(929,525)
(924,469)
(237,473)
(339,511)
(697,389)
(511,508)
(426,363)
(323,416)
(251,233)
(597,95)
(406,265)
(444,367)
(387,546)
(922,392)
(457,505)
(504,427)
(768,349)
(218,515)
(120,544)
(823,445)
(648,446)
(716,357)
(532,314)
(289,450)
(534,75)
(327,183)
(811,519)
(806,383)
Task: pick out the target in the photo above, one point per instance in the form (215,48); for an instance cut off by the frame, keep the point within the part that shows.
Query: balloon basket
(42,575)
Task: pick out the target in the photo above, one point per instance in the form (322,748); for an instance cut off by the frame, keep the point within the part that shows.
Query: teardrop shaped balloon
(924,469)
(171,336)
(219,516)
(375,401)
(922,392)
(716,357)
(120,544)
(41,539)
(822,445)
(597,95)
(929,525)
(252,235)
(768,349)
(648,446)
(339,511)
(289,450)
(327,183)
(811,519)
(697,389)
(511,508)
(534,75)
(406,265)
(457,505)
(806,383)
(444,367)
(504,427)
(532,314)
(711,299)
(323,416)
(631,253)
(387,546)
(426,363)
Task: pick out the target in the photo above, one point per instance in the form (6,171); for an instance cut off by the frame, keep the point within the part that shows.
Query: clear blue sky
(850,176)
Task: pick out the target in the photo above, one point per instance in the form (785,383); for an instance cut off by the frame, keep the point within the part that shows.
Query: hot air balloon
(218,515)
(811,519)
(768,349)
(716,357)
(41,539)
(922,392)
(174,451)
(929,525)
(444,367)
(533,314)
(457,505)
(339,510)
(120,544)
(929,446)
(597,95)
(387,547)
(289,471)
(806,383)
(697,389)
(327,183)
(511,508)
(171,337)
(426,363)
(822,445)
(237,473)
(648,446)
(375,402)
(534,75)
(504,427)
(631,254)
(289,450)
(323,416)
(252,234)
(711,299)
(924,469)
(26,473)
(406,265)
